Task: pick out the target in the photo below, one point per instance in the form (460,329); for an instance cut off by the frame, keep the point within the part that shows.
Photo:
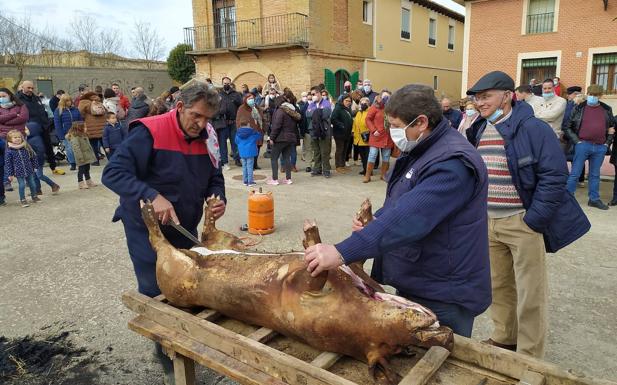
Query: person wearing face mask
(361,133)
(249,112)
(429,239)
(318,116)
(530,212)
(225,122)
(551,109)
(346,91)
(13,116)
(591,129)
(367,91)
(470,115)
(379,139)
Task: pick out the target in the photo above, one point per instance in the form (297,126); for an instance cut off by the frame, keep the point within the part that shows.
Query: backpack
(97,108)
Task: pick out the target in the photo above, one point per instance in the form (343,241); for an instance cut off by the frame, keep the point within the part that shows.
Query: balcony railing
(540,23)
(288,29)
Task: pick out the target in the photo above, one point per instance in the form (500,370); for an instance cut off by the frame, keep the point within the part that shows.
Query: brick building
(307,42)
(573,39)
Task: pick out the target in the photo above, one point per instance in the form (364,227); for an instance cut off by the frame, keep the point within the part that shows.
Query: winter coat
(285,124)
(35,138)
(113,135)
(113,105)
(94,123)
(380,137)
(245,113)
(573,127)
(359,126)
(246,140)
(228,109)
(13,118)
(63,122)
(36,109)
(539,172)
(138,109)
(342,122)
(454,116)
(552,112)
(442,253)
(19,162)
(82,149)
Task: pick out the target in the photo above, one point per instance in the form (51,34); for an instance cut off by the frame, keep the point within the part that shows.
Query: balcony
(540,23)
(249,35)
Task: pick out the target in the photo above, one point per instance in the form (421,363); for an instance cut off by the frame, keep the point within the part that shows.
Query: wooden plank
(262,357)
(202,354)
(208,314)
(184,370)
(428,365)
(262,335)
(326,359)
(513,364)
(160,297)
(531,378)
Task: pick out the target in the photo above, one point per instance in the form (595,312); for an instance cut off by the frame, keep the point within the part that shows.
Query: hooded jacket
(138,109)
(539,172)
(341,120)
(285,124)
(246,140)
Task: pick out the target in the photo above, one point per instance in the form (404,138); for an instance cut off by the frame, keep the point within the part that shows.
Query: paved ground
(64,264)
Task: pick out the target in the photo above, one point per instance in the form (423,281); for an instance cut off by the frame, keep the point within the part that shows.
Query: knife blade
(185,232)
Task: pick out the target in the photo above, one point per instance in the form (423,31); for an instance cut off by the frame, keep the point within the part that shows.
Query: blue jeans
(39,173)
(594,153)
(22,186)
(294,158)
(247,170)
(385,154)
(454,316)
(70,157)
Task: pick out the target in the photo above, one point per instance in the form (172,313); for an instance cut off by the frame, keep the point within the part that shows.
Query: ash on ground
(48,358)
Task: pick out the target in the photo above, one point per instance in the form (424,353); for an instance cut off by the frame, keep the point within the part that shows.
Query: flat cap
(573,89)
(495,80)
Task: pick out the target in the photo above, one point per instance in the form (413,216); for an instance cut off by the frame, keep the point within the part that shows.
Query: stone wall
(153,81)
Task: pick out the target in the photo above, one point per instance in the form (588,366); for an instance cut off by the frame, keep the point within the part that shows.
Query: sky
(168,16)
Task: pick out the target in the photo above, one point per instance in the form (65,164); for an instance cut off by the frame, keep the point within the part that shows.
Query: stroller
(57,145)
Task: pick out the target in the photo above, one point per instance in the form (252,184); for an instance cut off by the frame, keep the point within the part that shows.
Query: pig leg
(379,369)
(311,238)
(213,238)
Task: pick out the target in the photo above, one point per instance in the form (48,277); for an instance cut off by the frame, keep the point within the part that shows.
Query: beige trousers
(518,275)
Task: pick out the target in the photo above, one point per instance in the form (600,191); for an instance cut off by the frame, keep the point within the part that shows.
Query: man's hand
(356,225)
(164,210)
(107,150)
(322,257)
(10,178)
(218,209)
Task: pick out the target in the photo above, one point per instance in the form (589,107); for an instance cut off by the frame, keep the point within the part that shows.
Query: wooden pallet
(257,356)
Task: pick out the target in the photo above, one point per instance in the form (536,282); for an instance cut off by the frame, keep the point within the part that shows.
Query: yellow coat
(359,126)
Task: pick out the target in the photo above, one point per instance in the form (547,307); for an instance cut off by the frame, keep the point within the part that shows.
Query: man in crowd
(551,108)
(530,211)
(124,101)
(367,91)
(140,105)
(38,115)
(572,92)
(454,115)
(524,93)
(225,122)
(591,130)
(53,102)
(83,89)
(167,160)
(318,115)
(536,88)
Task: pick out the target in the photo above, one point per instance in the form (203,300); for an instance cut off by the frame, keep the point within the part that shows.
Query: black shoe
(238,163)
(73,167)
(256,167)
(315,173)
(308,169)
(597,204)
(613,202)
(97,163)
(326,174)
(362,172)
(8,187)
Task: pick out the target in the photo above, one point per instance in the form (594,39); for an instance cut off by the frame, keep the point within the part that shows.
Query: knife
(185,232)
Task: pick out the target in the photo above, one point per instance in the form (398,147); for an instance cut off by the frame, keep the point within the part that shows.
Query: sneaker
(35,199)
(97,163)
(226,167)
(326,174)
(73,167)
(251,184)
(308,169)
(54,189)
(256,167)
(597,204)
(273,182)
(286,181)
(8,187)
(58,171)
(39,192)
(315,173)
(581,184)
(24,203)
(613,202)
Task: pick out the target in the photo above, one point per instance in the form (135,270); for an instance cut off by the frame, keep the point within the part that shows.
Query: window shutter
(354,79)
(609,58)
(330,82)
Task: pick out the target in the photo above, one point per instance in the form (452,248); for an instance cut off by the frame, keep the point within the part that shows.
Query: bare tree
(85,31)
(110,41)
(19,42)
(147,43)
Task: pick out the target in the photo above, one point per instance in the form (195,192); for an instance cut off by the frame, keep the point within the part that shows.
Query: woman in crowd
(283,135)
(13,113)
(361,133)
(64,116)
(248,111)
(93,112)
(469,116)
(379,138)
(342,123)
(112,103)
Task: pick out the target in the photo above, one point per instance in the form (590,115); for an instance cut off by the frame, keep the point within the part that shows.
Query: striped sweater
(503,199)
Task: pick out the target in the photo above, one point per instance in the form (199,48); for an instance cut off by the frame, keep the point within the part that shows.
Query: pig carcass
(342,310)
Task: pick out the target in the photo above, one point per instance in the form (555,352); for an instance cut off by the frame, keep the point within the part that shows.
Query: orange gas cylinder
(261,212)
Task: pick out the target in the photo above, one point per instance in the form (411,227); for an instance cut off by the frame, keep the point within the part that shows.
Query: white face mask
(315,98)
(399,137)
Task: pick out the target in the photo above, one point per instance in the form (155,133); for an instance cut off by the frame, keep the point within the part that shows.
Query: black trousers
(340,154)
(49,150)
(83,172)
(362,151)
(284,149)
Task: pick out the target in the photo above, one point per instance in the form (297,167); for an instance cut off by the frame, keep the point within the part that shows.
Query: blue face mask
(548,95)
(251,102)
(495,115)
(593,100)
(367,89)
(5,100)
(470,112)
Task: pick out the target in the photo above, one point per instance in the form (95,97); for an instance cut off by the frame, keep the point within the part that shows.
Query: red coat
(13,118)
(380,137)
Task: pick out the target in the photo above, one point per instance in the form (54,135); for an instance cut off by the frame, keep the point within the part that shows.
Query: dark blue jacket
(158,158)
(113,135)
(429,239)
(539,172)
(35,139)
(454,116)
(246,140)
(567,114)
(19,163)
(64,121)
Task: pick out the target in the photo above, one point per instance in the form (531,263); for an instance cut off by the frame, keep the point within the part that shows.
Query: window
(367,11)
(451,37)
(540,16)
(604,72)
(435,82)
(405,23)
(225,34)
(539,69)
(432,31)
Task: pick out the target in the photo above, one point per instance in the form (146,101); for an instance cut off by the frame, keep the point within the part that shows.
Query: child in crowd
(246,140)
(84,154)
(113,134)
(20,162)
